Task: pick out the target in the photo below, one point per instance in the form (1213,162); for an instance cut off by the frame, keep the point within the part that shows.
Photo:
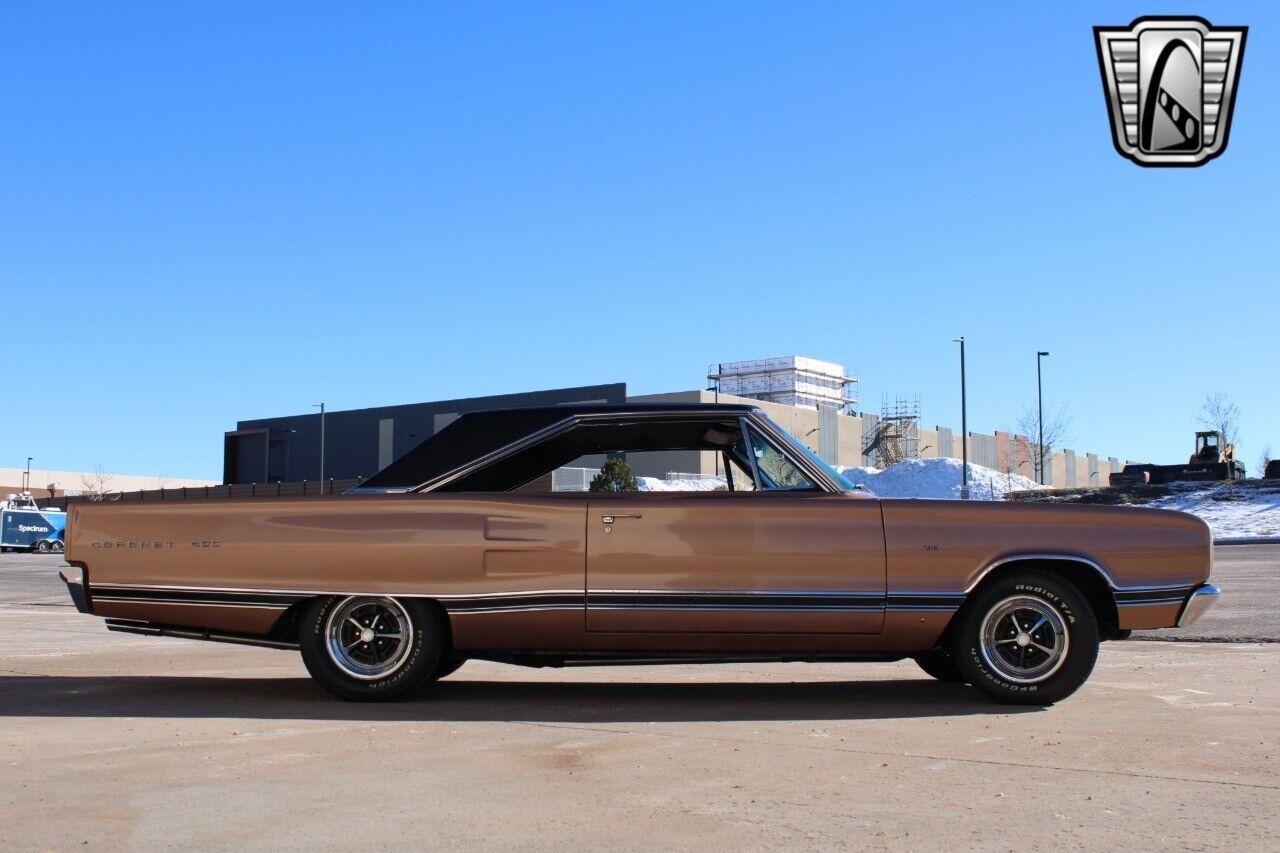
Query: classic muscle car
(460,550)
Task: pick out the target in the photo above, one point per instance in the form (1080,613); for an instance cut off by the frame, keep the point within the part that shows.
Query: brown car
(460,550)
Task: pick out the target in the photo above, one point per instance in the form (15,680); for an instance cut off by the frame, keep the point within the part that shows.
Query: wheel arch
(286,627)
(1088,576)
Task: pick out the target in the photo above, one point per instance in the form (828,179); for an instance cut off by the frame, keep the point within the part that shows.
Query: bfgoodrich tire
(370,648)
(1028,638)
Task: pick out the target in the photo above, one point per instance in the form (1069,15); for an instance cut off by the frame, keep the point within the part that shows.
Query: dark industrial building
(360,442)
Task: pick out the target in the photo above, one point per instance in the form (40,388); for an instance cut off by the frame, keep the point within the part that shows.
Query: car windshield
(799,447)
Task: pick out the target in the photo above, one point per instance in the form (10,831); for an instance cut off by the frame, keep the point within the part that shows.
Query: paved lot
(1248,576)
(131,741)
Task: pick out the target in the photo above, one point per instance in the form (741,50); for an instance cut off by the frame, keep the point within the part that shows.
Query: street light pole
(964,427)
(321,407)
(1040,416)
(26,482)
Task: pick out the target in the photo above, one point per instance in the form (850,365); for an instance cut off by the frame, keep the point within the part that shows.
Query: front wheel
(41,547)
(1028,638)
(369,648)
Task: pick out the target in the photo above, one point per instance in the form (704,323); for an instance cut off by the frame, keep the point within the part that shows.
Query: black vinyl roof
(475,435)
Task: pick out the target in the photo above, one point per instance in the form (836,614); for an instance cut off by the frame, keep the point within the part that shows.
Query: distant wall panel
(829,434)
(386,442)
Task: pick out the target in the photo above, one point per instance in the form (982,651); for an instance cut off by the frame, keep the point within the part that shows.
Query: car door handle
(608,519)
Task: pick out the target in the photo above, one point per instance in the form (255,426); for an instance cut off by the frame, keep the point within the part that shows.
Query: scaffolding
(791,381)
(895,434)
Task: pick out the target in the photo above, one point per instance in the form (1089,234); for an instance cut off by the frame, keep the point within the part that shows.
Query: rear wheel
(58,547)
(941,665)
(369,648)
(41,547)
(1028,638)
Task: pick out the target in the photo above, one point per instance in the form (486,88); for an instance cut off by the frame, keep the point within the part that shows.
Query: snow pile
(1230,511)
(692,484)
(937,478)
(915,478)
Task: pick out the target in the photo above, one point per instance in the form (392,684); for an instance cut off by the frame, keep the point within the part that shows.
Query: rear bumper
(1201,599)
(74,579)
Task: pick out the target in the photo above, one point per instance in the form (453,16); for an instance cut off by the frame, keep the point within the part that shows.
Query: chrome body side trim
(304,593)
(1075,558)
(1015,558)
(1201,599)
(747,600)
(239,605)
(150,629)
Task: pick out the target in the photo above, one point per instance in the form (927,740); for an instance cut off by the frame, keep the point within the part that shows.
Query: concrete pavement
(130,741)
(1249,576)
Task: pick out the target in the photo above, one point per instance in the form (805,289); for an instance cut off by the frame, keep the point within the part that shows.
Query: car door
(735,562)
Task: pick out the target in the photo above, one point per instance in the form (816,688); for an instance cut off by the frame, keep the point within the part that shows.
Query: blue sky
(222,211)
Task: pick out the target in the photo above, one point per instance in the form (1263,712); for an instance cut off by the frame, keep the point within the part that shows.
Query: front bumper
(74,579)
(1201,599)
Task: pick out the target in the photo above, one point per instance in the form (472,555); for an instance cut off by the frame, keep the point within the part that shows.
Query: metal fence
(682,475)
(579,479)
(572,479)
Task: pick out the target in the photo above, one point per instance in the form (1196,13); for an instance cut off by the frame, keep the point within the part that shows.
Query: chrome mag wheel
(1024,639)
(369,638)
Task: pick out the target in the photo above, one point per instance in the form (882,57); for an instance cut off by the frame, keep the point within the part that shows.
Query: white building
(793,380)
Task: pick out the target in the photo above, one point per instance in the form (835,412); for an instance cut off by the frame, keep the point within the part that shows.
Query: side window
(777,473)
(652,470)
(737,474)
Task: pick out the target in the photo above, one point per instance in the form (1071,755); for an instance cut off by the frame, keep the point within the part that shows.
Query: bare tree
(1007,462)
(1055,432)
(1219,413)
(1263,459)
(97,485)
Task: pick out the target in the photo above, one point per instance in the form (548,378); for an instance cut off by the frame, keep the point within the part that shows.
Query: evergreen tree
(615,476)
